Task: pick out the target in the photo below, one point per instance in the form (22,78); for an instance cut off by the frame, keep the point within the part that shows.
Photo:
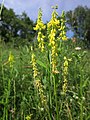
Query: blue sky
(31,6)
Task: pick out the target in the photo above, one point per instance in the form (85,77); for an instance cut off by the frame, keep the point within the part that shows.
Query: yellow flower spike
(34,67)
(35,71)
(11,59)
(54,22)
(39,87)
(65,73)
(40,27)
(62,28)
(65,86)
(37,82)
(52,28)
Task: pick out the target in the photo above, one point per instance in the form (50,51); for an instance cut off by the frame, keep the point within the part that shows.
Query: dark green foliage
(79,21)
(16,28)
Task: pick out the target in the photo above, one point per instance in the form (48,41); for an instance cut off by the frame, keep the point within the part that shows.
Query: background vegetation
(18,29)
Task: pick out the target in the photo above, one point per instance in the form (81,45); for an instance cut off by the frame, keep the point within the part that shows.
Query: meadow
(47,80)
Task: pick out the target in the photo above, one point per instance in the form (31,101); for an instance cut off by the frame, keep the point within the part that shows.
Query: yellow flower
(62,28)
(39,87)
(28,117)
(35,71)
(39,27)
(65,86)
(64,38)
(11,59)
(37,82)
(41,41)
(65,73)
(52,28)
(54,22)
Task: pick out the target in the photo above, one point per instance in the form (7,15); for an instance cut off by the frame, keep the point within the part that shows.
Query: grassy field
(44,94)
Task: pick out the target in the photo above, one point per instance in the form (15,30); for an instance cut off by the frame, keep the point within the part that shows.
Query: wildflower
(11,59)
(35,71)
(78,48)
(52,27)
(75,96)
(28,117)
(37,82)
(40,27)
(41,41)
(39,87)
(65,73)
(62,28)
(53,45)
(65,86)
(83,98)
(55,72)
(41,109)
(54,22)
(65,70)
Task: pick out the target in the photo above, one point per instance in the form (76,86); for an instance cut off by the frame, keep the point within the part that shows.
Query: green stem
(14,97)
(81,90)
(4,113)
(50,85)
(69,111)
(55,94)
(7,98)
(81,94)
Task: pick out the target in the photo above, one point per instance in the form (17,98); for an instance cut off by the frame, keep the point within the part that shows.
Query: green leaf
(42,64)
(85,82)
(1,103)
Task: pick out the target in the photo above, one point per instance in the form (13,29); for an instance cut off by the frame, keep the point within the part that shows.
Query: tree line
(78,21)
(18,29)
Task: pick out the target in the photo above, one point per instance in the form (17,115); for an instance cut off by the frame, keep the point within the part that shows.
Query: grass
(19,98)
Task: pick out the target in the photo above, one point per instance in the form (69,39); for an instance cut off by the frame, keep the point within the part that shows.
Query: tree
(79,21)
(16,28)
(6,23)
(26,29)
